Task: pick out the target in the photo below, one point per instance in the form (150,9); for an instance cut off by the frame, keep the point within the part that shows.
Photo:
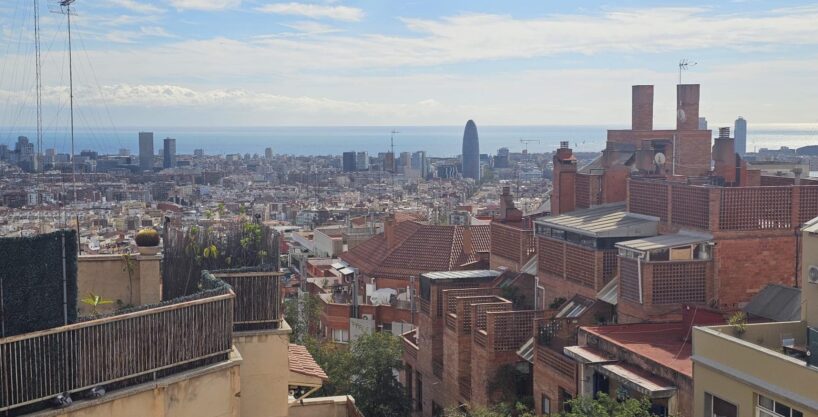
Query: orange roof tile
(302,362)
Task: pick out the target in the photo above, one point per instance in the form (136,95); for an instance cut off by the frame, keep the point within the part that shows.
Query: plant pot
(148,250)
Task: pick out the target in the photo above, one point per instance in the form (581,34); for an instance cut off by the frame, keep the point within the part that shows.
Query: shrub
(147,237)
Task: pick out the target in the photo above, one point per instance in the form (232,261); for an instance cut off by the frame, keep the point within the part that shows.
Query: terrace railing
(258,299)
(122,349)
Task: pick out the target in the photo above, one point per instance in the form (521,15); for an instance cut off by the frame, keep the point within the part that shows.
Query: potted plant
(147,242)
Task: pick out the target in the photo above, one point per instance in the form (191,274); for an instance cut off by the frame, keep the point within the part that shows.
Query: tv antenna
(65,9)
(38,77)
(685,65)
(392,141)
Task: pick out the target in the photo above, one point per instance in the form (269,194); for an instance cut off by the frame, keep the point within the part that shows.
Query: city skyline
(161,63)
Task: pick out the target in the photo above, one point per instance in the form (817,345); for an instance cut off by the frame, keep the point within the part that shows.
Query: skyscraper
(471,152)
(349,161)
(170,153)
(268,153)
(362,161)
(145,151)
(702,123)
(740,132)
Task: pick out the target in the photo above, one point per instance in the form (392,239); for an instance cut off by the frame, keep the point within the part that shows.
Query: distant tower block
(471,152)
(642,108)
(741,136)
(687,107)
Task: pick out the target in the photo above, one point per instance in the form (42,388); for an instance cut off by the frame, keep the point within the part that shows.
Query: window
(340,336)
(716,407)
(564,398)
(418,391)
(768,407)
(546,405)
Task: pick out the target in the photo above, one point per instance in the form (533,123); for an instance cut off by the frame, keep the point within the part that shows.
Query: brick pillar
(714,198)
(642,107)
(687,107)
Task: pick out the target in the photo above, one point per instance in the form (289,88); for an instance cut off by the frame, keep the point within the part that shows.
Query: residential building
(362,161)
(764,369)
(740,130)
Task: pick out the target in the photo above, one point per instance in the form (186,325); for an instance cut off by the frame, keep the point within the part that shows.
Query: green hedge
(31,282)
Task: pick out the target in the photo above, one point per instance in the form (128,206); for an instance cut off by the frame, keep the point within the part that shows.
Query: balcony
(410,347)
(119,350)
(768,352)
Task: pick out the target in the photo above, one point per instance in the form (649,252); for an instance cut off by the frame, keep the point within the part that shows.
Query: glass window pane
(766,402)
(782,409)
(722,408)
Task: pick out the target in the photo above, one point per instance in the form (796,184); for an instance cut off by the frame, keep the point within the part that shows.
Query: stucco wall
(105,275)
(264,372)
(212,391)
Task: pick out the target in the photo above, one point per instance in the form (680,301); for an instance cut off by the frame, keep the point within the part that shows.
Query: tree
(605,406)
(499,410)
(366,371)
(302,313)
(375,387)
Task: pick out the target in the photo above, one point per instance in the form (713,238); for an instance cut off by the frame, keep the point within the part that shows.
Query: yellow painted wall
(809,292)
(209,392)
(264,371)
(103,275)
(788,375)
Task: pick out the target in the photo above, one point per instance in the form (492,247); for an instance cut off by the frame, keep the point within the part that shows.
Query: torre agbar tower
(471,152)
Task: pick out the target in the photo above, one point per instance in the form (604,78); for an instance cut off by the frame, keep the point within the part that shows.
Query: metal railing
(115,349)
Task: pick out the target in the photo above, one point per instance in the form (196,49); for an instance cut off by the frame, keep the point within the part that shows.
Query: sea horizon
(436,140)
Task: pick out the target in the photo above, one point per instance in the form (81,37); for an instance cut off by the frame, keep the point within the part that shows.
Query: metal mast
(38,159)
(65,8)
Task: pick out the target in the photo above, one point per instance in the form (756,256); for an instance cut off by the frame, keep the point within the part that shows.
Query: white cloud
(310,27)
(136,6)
(207,5)
(314,11)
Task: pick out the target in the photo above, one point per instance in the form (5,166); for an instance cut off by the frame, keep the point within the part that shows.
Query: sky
(153,63)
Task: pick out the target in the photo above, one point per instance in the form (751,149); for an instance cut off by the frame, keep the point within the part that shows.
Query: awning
(638,380)
(609,293)
(339,265)
(527,351)
(346,271)
(586,355)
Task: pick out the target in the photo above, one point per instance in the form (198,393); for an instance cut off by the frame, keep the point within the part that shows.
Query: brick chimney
(389,231)
(563,196)
(687,107)
(724,157)
(642,107)
(468,243)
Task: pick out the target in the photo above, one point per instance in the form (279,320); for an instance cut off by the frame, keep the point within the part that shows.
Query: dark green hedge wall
(31,282)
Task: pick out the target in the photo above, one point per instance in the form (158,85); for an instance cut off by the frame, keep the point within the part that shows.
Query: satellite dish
(659,158)
(682,116)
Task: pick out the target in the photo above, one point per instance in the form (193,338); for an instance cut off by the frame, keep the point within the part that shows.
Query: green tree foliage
(605,406)
(500,410)
(302,314)
(366,370)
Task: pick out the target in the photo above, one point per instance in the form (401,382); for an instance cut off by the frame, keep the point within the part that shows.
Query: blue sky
(263,62)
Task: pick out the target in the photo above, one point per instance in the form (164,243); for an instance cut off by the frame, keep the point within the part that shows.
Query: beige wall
(264,371)
(323,407)
(734,370)
(809,292)
(104,275)
(206,392)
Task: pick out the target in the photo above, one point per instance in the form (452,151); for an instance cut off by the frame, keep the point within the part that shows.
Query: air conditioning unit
(812,274)
(367,316)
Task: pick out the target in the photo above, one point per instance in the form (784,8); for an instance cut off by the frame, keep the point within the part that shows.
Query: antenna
(65,8)
(527,141)
(38,160)
(685,65)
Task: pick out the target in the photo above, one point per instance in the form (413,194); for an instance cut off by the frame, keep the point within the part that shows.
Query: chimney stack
(389,231)
(563,195)
(687,107)
(724,133)
(642,107)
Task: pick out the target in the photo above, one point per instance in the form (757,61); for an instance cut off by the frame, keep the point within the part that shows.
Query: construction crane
(527,141)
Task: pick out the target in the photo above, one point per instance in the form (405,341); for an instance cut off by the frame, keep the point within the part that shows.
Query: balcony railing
(409,347)
(424,306)
(121,349)
(258,298)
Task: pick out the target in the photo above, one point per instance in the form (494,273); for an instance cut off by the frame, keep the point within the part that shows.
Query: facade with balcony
(767,369)
(221,351)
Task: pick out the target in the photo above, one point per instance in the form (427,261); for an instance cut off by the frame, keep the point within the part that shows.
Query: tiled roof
(302,362)
(419,248)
